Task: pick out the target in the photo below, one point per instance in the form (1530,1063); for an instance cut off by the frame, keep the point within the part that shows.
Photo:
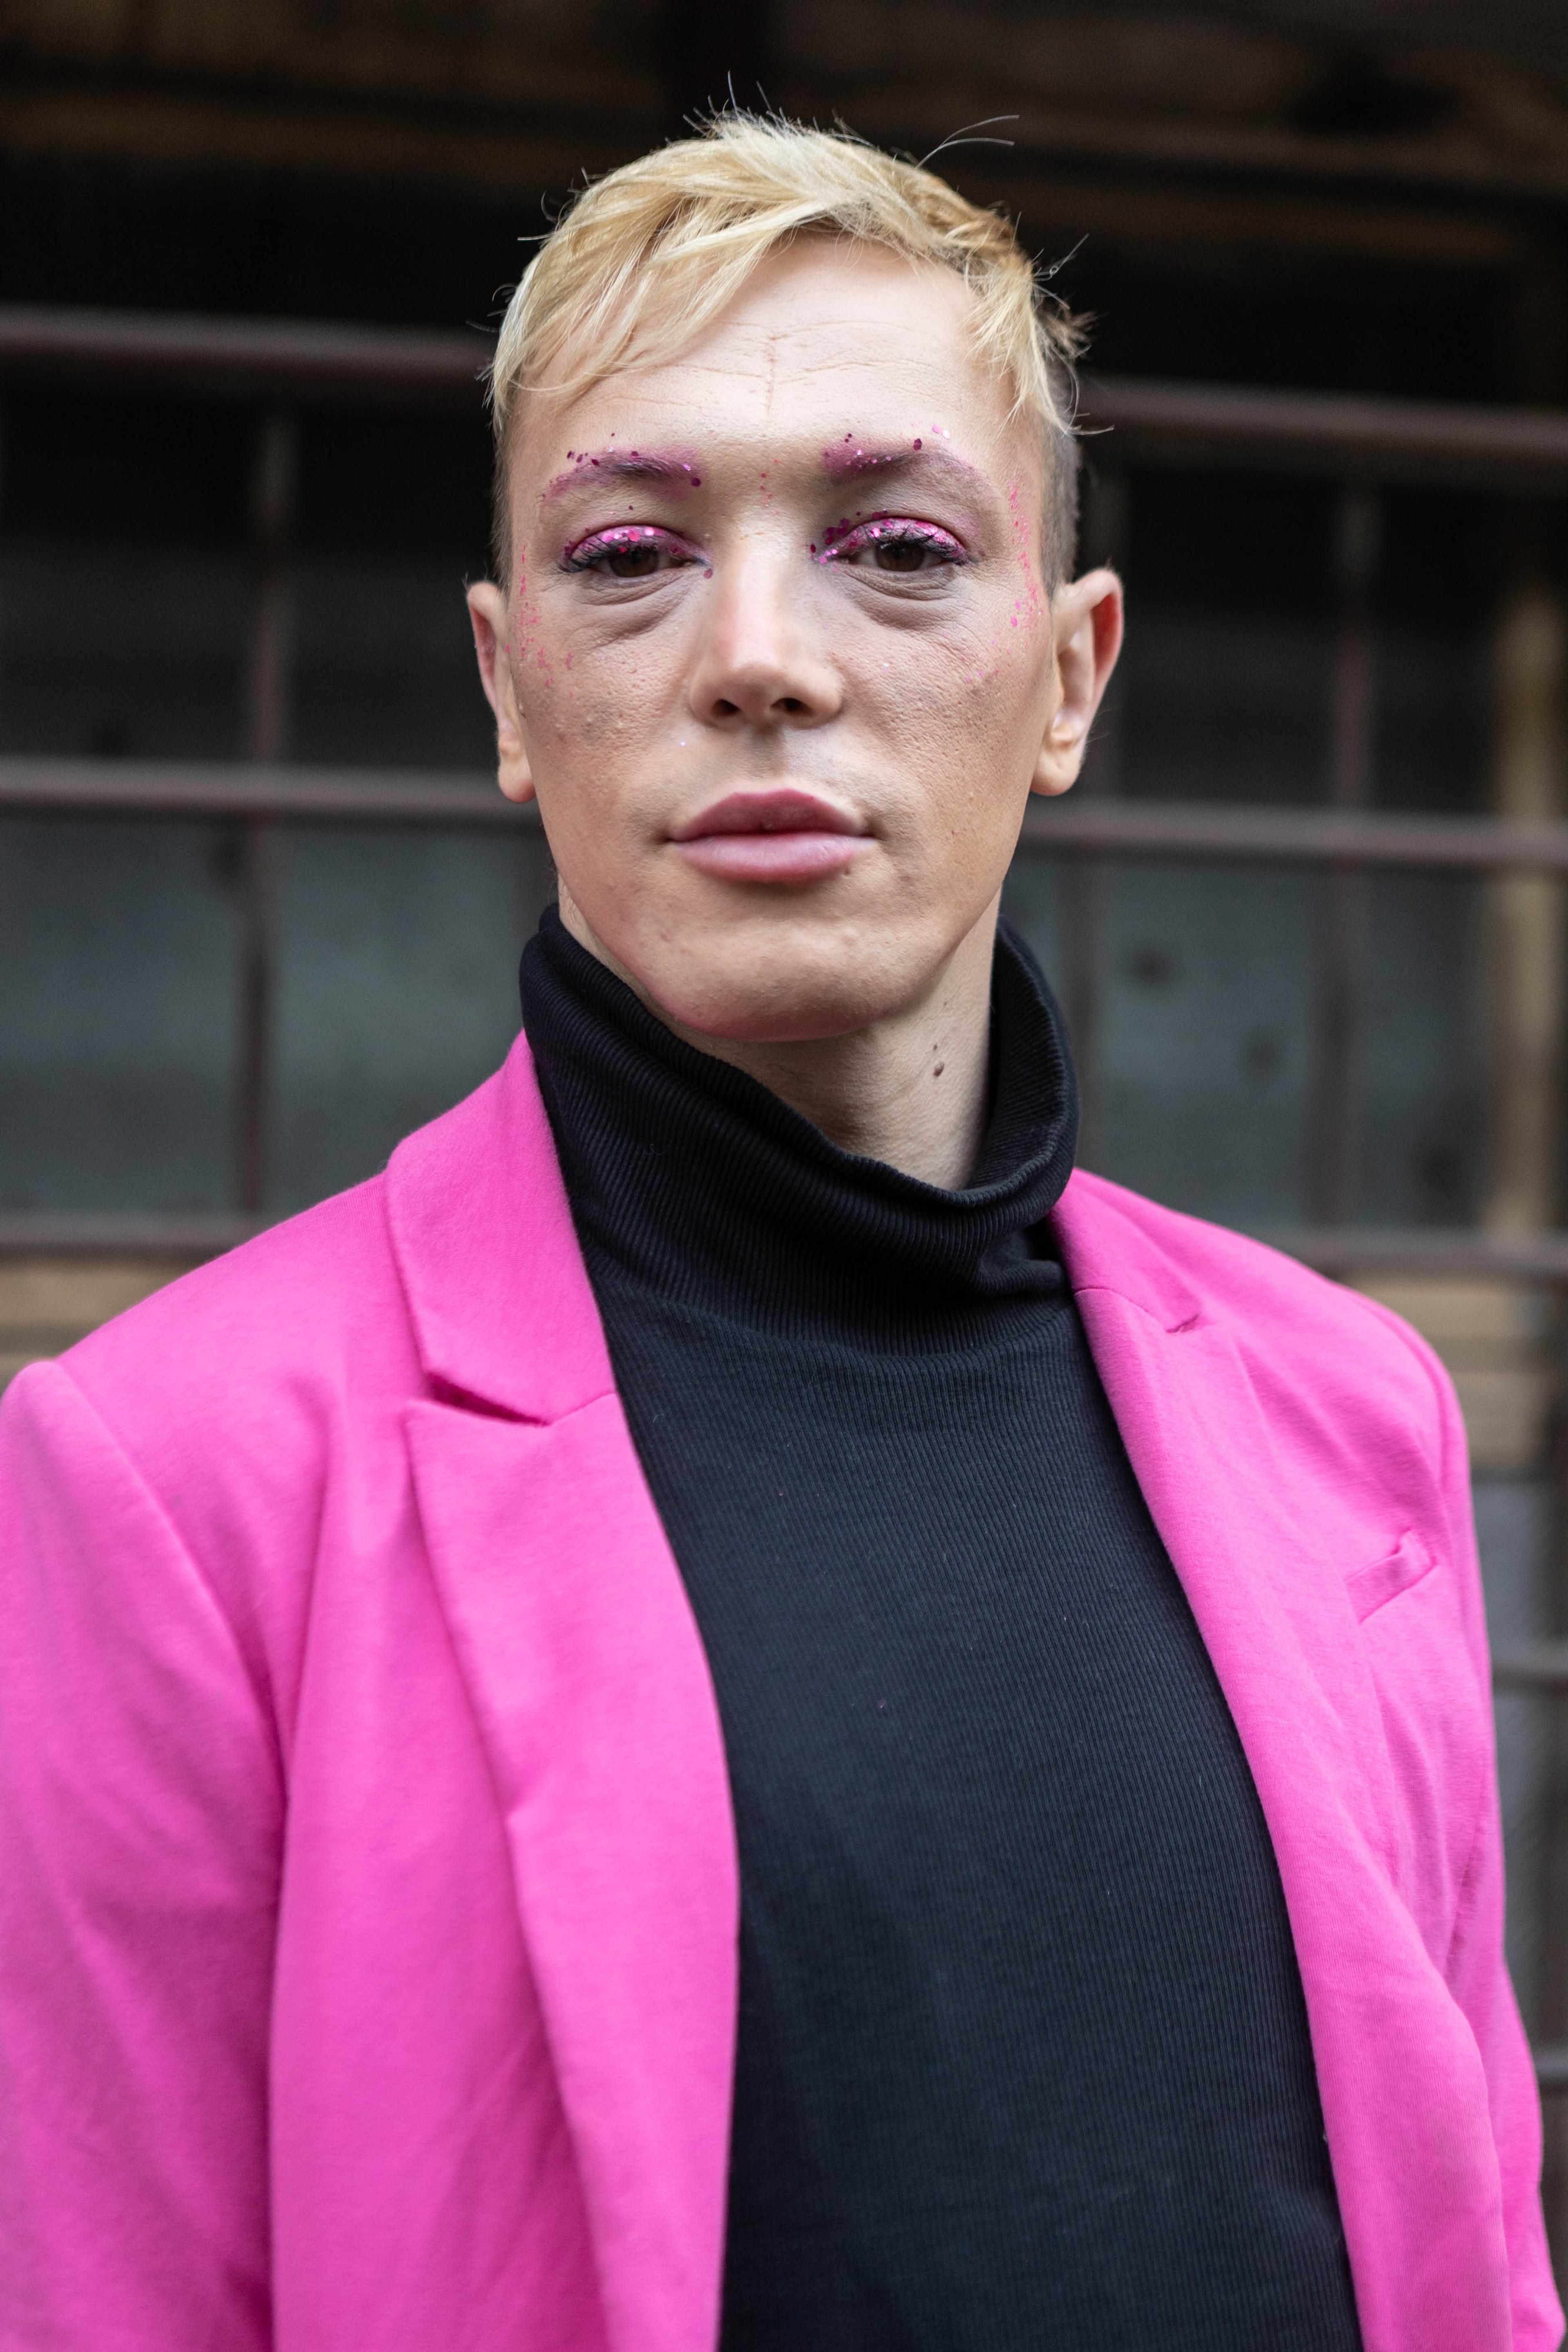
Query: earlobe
(488,617)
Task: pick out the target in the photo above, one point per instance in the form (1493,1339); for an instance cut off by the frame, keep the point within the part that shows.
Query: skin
(831,584)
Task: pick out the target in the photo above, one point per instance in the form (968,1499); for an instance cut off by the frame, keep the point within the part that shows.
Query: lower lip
(773,856)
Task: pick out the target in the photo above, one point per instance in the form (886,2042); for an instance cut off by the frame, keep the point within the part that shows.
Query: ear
(488,615)
(1086,628)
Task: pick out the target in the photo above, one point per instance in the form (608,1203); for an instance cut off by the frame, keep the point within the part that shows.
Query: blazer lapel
(588,1683)
(1404,2093)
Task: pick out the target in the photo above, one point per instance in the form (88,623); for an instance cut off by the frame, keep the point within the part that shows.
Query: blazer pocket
(1384,1580)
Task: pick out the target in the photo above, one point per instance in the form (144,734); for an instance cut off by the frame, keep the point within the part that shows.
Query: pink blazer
(367,1874)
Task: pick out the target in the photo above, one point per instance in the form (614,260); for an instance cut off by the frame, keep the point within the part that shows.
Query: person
(730,1706)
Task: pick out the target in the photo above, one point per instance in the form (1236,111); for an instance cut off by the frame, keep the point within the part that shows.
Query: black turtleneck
(1023,2056)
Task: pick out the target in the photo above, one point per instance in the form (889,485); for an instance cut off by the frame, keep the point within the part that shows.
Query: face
(779,657)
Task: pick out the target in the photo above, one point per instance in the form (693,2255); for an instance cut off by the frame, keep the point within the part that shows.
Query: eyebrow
(623,465)
(852,461)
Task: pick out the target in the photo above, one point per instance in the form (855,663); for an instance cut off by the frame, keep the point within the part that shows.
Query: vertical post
(1523,993)
(273,492)
(1524,978)
(1106,515)
(1342,919)
(1525,924)
(4,453)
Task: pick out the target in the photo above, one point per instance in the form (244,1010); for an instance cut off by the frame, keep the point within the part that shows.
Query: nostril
(723,709)
(790,703)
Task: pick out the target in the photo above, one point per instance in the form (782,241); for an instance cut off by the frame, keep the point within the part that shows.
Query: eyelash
(623,538)
(844,542)
(889,531)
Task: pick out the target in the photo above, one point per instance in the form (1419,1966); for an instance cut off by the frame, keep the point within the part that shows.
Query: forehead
(825,333)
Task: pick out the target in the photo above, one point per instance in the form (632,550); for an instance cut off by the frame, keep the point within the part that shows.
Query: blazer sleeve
(1477,1972)
(141,1809)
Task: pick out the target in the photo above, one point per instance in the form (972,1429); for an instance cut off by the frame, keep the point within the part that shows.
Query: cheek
(562,716)
(592,720)
(969,703)
(588,709)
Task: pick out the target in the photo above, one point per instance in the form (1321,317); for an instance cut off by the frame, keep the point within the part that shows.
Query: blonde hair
(654,252)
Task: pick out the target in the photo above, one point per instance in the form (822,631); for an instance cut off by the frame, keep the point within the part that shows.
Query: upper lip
(785,810)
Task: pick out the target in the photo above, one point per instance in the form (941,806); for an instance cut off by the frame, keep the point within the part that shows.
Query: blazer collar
(482,1234)
(499,1297)
(1104,1248)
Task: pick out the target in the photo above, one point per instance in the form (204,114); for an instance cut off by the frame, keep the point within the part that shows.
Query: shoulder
(190,1447)
(288,1311)
(229,1394)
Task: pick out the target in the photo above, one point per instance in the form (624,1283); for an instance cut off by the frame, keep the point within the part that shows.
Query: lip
(780,836)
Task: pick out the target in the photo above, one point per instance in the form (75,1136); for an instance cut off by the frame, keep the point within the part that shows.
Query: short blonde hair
(654,252)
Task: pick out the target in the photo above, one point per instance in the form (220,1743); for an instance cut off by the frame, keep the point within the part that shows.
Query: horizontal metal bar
(46,1234)
(1223,426)
(243,358)
(1347,1251)
(289,795)
(1205,831)
(1191,831)
(1239,427)
(1530,1665)
(1552,2068)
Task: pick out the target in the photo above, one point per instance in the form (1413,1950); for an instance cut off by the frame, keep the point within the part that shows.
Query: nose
(759,664)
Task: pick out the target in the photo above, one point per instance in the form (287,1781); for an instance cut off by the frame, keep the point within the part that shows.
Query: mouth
(786,835)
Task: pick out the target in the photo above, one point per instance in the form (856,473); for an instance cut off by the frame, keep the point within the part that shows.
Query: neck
(909,1089)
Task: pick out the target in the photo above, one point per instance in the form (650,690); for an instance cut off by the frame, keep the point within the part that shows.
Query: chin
(782,1001)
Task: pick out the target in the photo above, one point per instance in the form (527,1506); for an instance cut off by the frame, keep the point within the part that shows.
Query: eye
(630,562)
(627,552)
(904,555)
(890,544)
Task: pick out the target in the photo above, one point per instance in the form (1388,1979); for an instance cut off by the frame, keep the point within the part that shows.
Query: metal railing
(1360,444)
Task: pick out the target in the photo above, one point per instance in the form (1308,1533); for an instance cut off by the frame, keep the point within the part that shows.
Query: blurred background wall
(1345,599)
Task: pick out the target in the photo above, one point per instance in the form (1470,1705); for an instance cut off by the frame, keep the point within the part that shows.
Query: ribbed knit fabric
(1023,2058)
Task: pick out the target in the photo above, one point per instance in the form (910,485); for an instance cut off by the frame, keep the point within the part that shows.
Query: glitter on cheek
(1031,605)
(529,650)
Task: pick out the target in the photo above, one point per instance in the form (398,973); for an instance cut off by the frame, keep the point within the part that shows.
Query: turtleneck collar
(688,1174)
